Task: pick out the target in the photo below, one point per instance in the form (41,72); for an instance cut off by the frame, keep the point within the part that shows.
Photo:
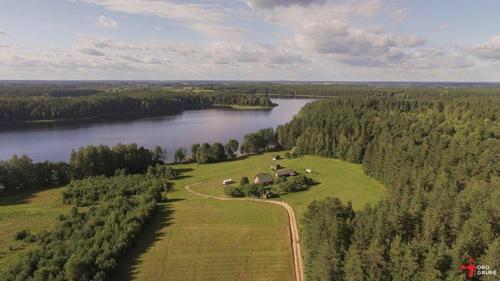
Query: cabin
(276,157)
(285,173)
(228,181)
(264,179)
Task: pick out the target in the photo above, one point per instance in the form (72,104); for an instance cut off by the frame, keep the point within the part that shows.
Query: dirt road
(294,232)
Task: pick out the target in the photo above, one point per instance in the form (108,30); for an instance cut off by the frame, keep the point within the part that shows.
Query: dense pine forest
(440,159)
(39,104)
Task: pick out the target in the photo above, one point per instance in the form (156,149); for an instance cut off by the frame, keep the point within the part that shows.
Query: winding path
(294,232)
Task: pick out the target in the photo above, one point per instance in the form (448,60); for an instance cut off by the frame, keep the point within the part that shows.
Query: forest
(41,104)
(439,158)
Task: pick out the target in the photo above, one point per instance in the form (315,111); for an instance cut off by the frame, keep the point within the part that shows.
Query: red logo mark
(469,268)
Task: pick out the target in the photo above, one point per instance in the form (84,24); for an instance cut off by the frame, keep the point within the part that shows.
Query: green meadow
(334,178)
(195,238)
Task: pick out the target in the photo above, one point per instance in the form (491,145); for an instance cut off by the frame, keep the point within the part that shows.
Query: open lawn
(194,238)
(33,212)
(335,178)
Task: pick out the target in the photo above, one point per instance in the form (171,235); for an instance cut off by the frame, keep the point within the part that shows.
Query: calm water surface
(55,143)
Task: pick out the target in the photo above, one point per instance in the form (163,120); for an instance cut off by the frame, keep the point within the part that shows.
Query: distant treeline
(439,159)
(352,90)
(84,104)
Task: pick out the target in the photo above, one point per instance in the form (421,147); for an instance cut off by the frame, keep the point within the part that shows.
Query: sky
(303,40)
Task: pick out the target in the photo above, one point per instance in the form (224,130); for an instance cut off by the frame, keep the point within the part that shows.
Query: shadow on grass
(153,232)
(23,196)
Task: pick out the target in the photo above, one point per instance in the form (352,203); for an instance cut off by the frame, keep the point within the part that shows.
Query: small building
(228,181)
(264,179)
(285,173)
(276,157)
(275,167)
(308,171)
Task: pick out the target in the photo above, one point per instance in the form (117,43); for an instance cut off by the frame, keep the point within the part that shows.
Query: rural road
(294,232)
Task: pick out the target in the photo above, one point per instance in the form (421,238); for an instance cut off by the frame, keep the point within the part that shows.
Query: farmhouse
(285,173)
(264,179)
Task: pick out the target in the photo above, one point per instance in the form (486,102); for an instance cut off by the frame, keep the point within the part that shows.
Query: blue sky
(354,40)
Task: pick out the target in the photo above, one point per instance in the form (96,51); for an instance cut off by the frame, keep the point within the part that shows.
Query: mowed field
(33,212)
(194,238)
(335,178)
(204,239)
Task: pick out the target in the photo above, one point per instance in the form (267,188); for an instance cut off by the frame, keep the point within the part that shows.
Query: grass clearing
(34,212)
(336,178)
(205,239)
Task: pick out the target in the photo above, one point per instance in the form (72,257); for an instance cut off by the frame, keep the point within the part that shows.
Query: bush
(292,184)
(21,235)
(234,191)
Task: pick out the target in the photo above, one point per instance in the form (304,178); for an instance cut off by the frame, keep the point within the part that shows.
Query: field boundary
(292,221)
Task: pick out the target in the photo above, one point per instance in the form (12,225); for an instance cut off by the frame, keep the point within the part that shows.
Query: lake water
(56,141)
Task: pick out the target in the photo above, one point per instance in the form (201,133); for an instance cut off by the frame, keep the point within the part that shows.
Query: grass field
(202,239)
(32,212)
(336,178)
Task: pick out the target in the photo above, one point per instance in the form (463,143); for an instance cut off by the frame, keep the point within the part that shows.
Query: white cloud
(90,52)
(266,4)
(2,33)
(229,53)
(489,50)
(105,22)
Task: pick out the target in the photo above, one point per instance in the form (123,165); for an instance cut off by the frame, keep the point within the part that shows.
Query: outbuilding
(285,173)
(264,179)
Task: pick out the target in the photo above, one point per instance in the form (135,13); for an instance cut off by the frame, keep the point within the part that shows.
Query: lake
(55,142)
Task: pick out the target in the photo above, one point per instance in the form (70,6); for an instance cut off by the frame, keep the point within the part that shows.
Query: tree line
(439,160)
(88,104)
(96,160)
(93,160)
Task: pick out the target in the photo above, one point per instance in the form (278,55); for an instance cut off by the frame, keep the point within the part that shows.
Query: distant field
(336,178)
(205,239)
(32,212)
